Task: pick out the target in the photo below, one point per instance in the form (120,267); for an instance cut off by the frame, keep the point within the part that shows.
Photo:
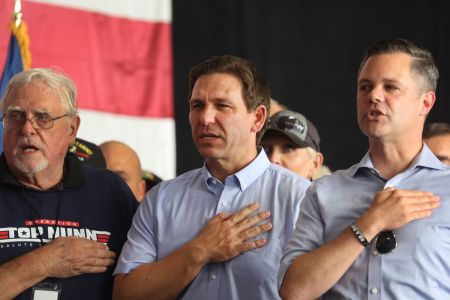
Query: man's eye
(42,117)
(16,115)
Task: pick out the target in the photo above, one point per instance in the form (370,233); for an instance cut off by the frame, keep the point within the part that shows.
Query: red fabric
(119,65)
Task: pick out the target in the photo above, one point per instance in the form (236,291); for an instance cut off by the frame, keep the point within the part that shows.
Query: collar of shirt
(425,159)
(243,178)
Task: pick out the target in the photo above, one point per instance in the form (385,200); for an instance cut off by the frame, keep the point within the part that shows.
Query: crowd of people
(259,220)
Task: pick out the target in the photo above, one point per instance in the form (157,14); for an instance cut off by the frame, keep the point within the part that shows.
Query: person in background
(88,153)
(292,141)
(151,179)
(216,232)
(380,229)
(124,161)
(437,137)
(61,223)
(276,106)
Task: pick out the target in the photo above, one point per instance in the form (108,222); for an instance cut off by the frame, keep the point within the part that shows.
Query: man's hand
(226,236)
(391,209)
(71,256)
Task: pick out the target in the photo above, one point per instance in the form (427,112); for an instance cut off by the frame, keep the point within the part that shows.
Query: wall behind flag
(119,54)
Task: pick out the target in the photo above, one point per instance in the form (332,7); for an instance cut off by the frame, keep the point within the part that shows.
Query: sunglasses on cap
(386,242)
(289,122)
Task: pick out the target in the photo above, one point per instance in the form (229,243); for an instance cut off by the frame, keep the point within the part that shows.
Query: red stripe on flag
(119,65)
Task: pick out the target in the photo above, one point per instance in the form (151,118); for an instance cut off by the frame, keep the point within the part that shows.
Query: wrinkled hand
(392,208)
(226,236)
(71,256)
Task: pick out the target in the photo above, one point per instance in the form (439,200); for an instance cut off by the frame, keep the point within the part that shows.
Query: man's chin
(27,167)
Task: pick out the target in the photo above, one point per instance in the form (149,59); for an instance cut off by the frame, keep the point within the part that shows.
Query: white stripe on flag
(145,10)
(153,139)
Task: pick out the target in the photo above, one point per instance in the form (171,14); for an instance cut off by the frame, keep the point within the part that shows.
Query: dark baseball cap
(296,127)
(88,153)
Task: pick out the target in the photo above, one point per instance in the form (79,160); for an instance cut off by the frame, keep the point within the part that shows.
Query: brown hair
(422,65)
(255,86)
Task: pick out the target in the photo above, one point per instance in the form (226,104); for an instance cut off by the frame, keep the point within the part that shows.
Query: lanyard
(34,213)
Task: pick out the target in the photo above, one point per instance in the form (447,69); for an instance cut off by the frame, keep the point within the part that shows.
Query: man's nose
(376,94)
(275,157)
(207,116)
(27,126)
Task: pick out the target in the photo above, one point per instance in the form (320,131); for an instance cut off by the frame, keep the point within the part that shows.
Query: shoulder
(285,176)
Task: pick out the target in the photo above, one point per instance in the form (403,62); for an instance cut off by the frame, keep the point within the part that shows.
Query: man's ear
(260,115)
(73,127)
(317,164)
(427,99)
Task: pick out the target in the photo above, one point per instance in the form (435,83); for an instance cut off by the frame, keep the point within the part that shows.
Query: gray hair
(422,64)
(60,84)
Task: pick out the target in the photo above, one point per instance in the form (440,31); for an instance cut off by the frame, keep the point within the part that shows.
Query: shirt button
(214,181)
(223,203)
(374,291)
(375,253)
(213,276)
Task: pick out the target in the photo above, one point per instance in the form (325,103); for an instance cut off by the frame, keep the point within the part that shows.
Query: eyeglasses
(386,242)
(288,122)
(16,119)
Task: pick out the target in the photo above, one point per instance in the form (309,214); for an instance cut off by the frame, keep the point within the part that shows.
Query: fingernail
(254,205)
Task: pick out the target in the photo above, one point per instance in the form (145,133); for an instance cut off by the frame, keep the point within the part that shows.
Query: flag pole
(17,13)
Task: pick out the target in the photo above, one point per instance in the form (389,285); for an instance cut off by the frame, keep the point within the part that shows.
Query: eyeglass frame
(32,121)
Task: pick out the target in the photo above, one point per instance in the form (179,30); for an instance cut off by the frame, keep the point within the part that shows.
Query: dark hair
(422,65)
(434,129)
(255,86)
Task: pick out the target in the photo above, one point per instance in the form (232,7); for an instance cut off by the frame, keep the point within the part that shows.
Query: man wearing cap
(380,229)
(292,141)
(437,137)
(61,223)
(216,232)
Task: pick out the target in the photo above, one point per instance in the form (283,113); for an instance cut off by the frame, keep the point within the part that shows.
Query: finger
(243,213)
(101,253)
(253,220)
(417,200)
(254,231)
(247,246)
(91,269)
(425,206)
(412,193)
(101,262)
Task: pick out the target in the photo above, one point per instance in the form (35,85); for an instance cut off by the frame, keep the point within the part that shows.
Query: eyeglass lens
(386,242)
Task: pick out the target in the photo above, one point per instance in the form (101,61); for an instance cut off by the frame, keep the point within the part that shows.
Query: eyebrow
(18,108)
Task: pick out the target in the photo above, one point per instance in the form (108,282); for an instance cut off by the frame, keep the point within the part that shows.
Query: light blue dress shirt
(175,212)
(418,268)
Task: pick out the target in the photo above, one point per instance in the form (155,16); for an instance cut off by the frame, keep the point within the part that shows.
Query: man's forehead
(32,97)
(217,84)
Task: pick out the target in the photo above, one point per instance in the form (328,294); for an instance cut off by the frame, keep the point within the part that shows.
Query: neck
(221,168)
(42,180)
(391,159)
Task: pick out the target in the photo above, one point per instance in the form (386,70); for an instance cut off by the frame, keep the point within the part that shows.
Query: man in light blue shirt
(380,229)
(217,232)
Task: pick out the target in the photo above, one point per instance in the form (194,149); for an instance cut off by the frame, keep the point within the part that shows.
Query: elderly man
(380,229)
(124,161)
(61,223)
(206,234)
(292,141)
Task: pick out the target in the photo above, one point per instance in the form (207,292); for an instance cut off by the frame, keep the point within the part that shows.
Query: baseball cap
(88,153)
(296,127)
(151,179)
